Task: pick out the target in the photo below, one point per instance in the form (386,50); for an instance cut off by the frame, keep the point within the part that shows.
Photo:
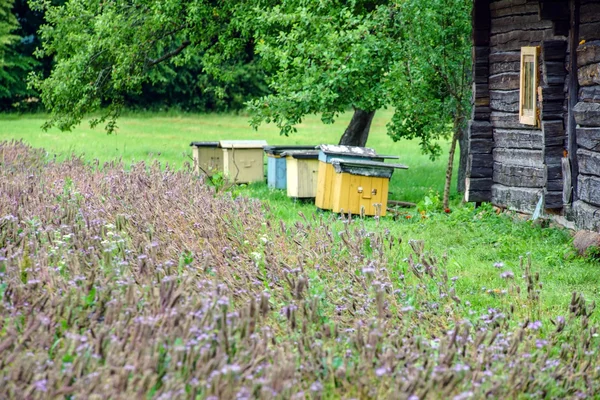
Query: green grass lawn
(166,137)
(473,240)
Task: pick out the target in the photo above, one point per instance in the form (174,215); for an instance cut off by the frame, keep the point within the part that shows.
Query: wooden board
(518,139)
(589,162)
(554,72)
(516,198)
(588,189)
(504,67)
(481,160)
(525,158)
(590,94)
(511,7)
(589,75)
(567,183)
(553,110)
(512,22)
(515,175)
(587,114)
(474,196)
(589,138)
(589,31)
(324,186)
(553,199)
(586,215)
(507,101)
(554,50)
(552,93)
(588,53)
(590,11)
(480,184)
(505,81)
(508,120)
(480,130)
(480,146)
(514,40)
(553,129)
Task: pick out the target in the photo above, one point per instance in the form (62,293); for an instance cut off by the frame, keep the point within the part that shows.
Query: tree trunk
(457,130)
(463,143)
(357,132)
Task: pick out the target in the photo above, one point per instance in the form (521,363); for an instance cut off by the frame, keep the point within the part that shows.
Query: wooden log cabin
(534,133)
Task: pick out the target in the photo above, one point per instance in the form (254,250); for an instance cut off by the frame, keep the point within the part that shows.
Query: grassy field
(166,137)
(472,242)
(146,283)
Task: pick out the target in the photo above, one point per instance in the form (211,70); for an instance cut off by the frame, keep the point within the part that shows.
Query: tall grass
(149,283)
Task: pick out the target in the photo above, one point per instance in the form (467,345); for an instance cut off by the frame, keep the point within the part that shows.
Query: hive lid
(387,157)
(348,150)
(205,144)
(301,154)
(366,168)
(243,144)
(367,163)
(277,150)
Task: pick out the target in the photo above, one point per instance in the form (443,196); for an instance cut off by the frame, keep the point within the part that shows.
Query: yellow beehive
(324,197)
(243,160)
(207,157)
(361,187)
(302,167)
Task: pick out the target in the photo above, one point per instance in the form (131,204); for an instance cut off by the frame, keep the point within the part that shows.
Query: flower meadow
(147,283)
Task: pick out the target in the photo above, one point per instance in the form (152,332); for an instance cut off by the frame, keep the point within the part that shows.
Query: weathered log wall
(526,159)
(478,183)
(514,165)
(586,210)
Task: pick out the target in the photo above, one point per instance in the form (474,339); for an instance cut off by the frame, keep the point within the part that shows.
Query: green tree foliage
(19,60)
(107,50)
(318,56)
(8,23)
(187,87)
(432,83)
(326,57)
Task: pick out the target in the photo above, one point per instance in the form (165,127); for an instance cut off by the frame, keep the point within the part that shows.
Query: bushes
(150,283)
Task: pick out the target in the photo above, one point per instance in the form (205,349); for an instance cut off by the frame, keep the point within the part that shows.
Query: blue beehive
(276,164)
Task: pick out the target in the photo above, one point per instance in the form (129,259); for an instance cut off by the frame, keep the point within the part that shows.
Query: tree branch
(170,54)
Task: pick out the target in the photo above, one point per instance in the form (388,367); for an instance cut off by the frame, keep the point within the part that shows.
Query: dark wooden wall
(515,165)
(586,210)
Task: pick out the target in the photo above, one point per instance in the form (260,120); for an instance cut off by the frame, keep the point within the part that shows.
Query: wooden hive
(243,160)
(277,166)
(208,157)
(326,173)
(361,186)
(302,169)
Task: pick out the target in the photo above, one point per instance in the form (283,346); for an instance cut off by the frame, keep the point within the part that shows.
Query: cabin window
(528,88)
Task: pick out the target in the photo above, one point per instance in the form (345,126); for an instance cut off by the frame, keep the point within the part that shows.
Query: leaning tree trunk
(457,131)
(463,144)
(357,132)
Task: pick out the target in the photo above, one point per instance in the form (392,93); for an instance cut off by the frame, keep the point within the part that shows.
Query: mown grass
(166,137)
